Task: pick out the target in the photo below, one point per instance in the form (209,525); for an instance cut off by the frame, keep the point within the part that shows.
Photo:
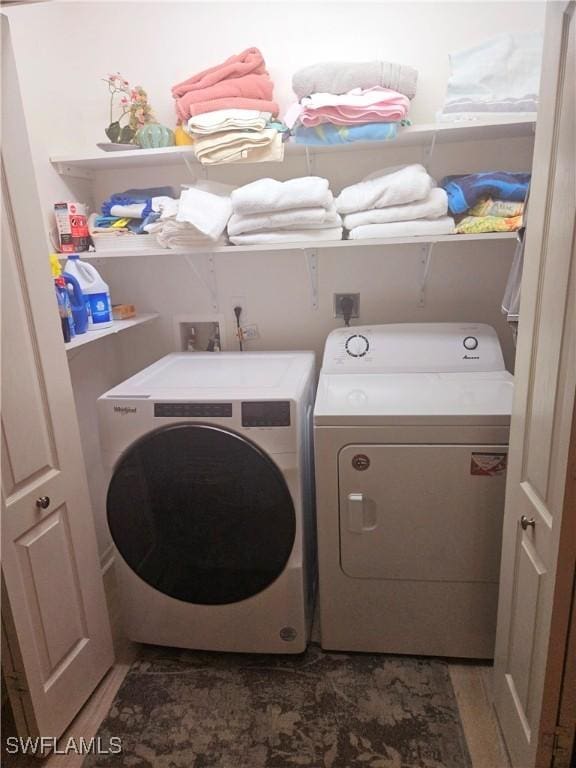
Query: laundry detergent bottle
(77,302)
(95,290)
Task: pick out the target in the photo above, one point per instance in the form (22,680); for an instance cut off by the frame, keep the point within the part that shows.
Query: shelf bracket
(426,262)
(193,173)
(430,151)
(309,160)
(312,264)
(73,171)
(209,283)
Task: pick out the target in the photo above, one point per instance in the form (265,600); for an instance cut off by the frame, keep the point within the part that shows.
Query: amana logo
(124,409)
(471,357)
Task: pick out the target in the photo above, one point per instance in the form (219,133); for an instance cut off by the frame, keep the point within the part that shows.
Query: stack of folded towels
(270,211)
(129,212)
(395,202)
(341,102)
(198,217)
(487,202)
(228,111)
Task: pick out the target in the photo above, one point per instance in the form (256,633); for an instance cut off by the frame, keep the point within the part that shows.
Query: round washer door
(201,514)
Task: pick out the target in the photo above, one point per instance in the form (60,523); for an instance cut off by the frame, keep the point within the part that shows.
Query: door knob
(43,502)
(525,523)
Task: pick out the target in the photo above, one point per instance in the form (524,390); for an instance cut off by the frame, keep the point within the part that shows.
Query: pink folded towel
(241,64)
(241,82)
(373,105)
(352,115)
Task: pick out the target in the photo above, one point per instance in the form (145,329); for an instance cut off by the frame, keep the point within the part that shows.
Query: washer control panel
(268,413)
(193,410)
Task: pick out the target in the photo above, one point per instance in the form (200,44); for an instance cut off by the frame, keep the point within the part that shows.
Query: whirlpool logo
(124,410)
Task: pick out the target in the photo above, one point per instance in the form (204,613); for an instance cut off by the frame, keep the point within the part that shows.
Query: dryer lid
(414,398)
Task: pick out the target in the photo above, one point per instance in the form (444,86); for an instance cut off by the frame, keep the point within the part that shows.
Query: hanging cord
(238,312)
(347,307)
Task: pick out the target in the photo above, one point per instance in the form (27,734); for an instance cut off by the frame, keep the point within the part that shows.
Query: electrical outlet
(355,297)
(249,332)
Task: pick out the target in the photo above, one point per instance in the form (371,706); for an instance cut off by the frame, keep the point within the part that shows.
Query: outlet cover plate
(355,304)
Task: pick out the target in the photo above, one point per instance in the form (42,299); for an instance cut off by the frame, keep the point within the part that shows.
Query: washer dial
(357,345)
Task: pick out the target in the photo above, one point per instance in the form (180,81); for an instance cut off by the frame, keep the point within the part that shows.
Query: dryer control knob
(470,342)
(357,345)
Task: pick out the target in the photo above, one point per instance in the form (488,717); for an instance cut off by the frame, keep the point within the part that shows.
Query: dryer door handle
(359,518)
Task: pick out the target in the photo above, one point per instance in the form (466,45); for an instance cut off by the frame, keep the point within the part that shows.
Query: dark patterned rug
(183,709)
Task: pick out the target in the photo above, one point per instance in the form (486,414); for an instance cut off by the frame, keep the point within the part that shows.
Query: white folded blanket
(420,227)
(225,119)
(431,207)
(294,218)
(288,236)
(390,186)
(206,212)
(267,195)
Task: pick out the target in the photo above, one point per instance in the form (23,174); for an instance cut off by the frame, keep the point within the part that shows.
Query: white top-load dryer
(411,428)
(210,502)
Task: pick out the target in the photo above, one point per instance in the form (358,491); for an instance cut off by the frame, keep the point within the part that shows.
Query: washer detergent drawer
(422,512)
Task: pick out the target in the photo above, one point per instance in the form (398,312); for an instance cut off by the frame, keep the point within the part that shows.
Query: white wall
(63,49)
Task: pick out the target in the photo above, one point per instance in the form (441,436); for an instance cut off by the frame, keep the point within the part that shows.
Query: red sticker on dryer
(488,464)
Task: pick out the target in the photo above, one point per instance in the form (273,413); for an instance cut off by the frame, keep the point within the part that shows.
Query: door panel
(543,402)
(431,512)
(55,621)
(48,568)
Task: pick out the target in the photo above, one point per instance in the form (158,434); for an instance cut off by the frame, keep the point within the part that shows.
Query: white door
(55,621)
(543,402)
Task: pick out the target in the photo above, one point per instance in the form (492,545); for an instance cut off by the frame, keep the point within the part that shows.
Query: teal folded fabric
(327,133)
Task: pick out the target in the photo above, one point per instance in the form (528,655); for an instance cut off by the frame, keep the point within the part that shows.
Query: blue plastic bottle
(65,309)
(77,302)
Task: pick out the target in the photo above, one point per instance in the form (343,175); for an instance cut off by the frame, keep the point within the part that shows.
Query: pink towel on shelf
(373,105)
(241,82)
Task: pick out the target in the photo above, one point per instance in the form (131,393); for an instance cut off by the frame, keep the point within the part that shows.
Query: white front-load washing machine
(411,428)
(210,503)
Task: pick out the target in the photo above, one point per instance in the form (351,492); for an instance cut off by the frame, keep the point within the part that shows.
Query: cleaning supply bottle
(78,303)
(63,300)
(95,290)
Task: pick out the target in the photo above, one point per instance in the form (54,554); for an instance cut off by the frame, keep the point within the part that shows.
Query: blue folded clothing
(465,191)
(327,133)
(136,197)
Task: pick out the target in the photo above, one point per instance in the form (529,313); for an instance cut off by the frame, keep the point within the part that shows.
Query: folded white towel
(294,218)
(240,147)
(420,227)
(433,206)
(267,195)
(288,236)
(225,119)
(175,234)
(207,212)
(389,186)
